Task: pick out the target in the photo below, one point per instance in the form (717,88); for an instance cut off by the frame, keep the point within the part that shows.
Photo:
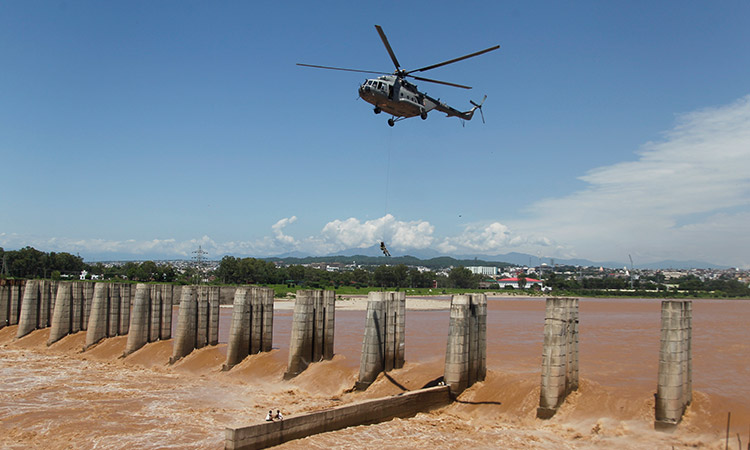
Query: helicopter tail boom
(465,115)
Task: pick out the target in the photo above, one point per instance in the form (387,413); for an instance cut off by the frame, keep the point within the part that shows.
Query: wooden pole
(726,442)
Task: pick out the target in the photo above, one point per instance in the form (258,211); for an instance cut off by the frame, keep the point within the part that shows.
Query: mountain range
(513,258)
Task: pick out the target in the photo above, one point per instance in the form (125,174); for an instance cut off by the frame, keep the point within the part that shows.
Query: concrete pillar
(99,316)
(372,359)
(329,321)
(251,329)
(312,330)
(88,300)
(201,331)
(167,291)
(674,390)
(688,392)
(29,314)
(266,338)
(481,308)
(466,350)
(16,298)
(185,335)
(570,316)
(300,343)
(154,313)
(125,298)
(113,310)
(139,320)
(45,292)
(318,323)
(4,305)
(76,293)
(238,346)
(554,358)
(214,300)
(457,351)
(256,321)
(383,344)
(62,316)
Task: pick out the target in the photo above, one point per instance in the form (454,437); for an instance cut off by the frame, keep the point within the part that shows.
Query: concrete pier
(674,390)
(150,318)
(251,329)
(30,305)
(185,336)
(167,291)
(198,320)
(62,317)
(559,356)
(88,300)
(125,299)
(214,301)
(98,317)
(383,343)
(139,319)
(4,305)
(466,351)
(16,288)
(77,307)
(312,330)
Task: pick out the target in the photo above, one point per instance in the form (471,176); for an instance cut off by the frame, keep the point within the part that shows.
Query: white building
(482,270)
(513,282)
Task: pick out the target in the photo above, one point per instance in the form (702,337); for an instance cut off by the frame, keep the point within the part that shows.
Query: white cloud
(685,196)
(278,230)
(490,239)
(352,233)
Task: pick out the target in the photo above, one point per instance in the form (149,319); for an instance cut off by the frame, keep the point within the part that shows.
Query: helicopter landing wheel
(377,110)
(423,116)
(391,122)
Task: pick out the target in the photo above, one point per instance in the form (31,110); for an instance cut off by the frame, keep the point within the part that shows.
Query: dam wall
(251,328)
(466,351)
(675,384)
(198,320)
(367,412)
(559,355)
(312,330)
(383,343)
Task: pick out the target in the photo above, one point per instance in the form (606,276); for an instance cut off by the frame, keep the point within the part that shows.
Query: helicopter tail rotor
(479,107)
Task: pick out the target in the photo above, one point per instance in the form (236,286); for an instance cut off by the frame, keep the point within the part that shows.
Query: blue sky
(144,129)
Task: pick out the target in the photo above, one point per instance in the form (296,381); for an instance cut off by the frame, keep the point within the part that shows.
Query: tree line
(31,263)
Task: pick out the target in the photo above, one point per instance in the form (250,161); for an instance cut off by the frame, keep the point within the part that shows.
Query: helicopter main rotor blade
(440,82)
(388,47)
(481,52)
(341,68)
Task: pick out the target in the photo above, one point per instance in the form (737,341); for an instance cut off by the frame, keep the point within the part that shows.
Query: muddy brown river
(58,397)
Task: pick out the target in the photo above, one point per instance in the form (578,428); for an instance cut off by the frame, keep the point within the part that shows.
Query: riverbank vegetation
(415,280)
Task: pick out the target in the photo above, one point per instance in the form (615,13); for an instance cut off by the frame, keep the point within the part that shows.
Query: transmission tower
(199,262)
(5,266)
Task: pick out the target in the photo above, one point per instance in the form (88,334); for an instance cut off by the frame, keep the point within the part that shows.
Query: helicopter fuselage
(402,99)
(395,97)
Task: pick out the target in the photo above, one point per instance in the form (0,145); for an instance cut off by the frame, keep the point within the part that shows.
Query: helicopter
(395,95)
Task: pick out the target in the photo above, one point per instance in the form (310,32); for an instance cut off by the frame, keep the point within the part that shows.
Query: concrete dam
(143,314)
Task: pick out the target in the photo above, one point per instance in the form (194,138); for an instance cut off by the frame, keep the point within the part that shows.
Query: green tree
(461,277)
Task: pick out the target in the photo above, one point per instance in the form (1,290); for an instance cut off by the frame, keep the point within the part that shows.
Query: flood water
(58,397)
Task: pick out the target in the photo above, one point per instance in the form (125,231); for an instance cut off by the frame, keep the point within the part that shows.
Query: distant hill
(432,259)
